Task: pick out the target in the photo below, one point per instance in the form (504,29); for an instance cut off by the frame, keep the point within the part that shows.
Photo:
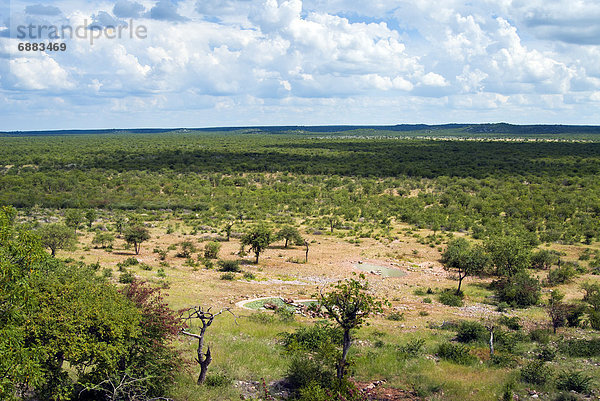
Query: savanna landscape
(454,262)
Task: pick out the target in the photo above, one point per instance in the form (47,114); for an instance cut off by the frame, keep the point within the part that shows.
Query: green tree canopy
(349,303)
(258,238)
(509,254)
(290,234)
(57,236)
(465,259)
(135,235)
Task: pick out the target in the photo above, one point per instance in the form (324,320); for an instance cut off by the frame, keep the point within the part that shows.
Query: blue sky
(285,62)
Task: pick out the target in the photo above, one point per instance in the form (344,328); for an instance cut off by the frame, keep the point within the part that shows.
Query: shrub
(502,307)
(513,323)
(229,266)
(581,348)
(211,250)
(218,380)
(541,336)
(427,300)
(507,340)
(419,292)
(313,338)
(126,277)
(574,381)
(412,349)
(456,353)
(262,317)
(520,290)
(106,272)
(469,331)
(146,267)
(536,372)
(249,276)
(129,262)
(285,314)
(228,276)
(502,361)
(575,314)
(449,297)
(395,316)
(543,259)
(546,353)
(187,248)
(561,275)
(305,371)
(313,392)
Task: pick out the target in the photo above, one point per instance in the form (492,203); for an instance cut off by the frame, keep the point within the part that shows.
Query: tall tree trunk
(341,368)
(257,254)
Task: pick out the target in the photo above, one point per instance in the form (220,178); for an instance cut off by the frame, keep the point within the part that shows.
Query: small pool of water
(385,271)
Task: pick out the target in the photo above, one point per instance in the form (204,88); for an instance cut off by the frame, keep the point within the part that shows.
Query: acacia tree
(290,234)
(509,254)
(206,317)
(258,239)
(349,304)
(463,258)
(56,236)
(90,216)
(103,239)
(73,218)
(135,235)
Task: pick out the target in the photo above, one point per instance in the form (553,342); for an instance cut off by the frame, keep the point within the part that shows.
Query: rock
(269,305)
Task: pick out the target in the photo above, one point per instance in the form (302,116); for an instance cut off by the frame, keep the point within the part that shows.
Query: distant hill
(501,129)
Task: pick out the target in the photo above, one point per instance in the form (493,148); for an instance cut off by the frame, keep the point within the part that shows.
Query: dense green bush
(211,250)
(573,380)
(229,266)
(469,331)
(537,372)
(450,298)
(520,290)
(561,275)
(228,276)
(126,277)
(581,348)
(456,353)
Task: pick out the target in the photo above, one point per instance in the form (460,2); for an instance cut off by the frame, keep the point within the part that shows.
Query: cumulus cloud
(39,73)
(166,10)
(128,9)
(315,58)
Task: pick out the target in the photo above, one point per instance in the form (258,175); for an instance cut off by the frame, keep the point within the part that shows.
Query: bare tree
(206,317)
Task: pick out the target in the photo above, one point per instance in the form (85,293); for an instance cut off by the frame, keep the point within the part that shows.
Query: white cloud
(39,73)
(293,57)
